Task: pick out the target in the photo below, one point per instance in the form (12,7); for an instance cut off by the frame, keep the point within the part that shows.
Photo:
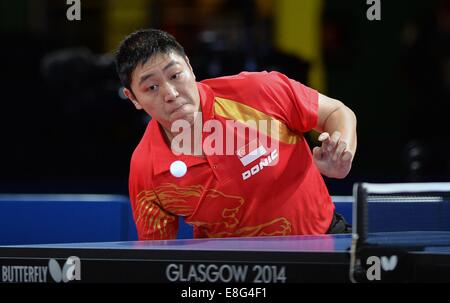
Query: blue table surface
(436,241)
(322,243)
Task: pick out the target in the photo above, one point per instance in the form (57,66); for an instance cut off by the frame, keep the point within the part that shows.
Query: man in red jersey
(228,154)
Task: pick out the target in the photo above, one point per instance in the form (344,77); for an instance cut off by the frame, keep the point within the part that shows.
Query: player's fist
(333,158)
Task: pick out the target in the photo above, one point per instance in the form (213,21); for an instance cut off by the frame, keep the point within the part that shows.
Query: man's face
(165,88)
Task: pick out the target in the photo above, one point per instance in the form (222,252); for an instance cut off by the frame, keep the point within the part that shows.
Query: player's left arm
(337,124)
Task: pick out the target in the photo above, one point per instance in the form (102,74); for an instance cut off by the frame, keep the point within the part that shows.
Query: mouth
(177,109)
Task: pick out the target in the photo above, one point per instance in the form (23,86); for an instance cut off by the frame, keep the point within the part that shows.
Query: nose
(170,92)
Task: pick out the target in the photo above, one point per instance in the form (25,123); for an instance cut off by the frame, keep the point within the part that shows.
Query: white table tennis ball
(178,169)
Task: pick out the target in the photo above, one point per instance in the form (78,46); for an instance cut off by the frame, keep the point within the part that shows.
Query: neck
(186,143)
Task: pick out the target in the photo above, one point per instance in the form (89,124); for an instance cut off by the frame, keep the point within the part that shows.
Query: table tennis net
(394,207)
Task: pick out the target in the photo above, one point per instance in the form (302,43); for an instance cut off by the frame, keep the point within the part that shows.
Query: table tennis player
(229,154)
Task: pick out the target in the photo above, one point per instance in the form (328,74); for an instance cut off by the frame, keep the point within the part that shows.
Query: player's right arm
(152,221)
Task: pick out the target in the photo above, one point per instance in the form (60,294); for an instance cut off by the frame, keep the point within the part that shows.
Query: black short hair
(139,46)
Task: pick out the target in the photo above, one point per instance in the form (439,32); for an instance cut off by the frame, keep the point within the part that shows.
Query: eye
(176,76)
(153,87)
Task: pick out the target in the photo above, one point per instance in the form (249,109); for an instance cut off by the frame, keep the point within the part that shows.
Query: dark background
(65,129)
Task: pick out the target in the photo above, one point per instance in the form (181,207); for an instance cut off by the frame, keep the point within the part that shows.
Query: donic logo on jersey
(253,155)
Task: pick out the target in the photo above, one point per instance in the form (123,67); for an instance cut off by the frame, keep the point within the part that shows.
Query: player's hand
(333,158)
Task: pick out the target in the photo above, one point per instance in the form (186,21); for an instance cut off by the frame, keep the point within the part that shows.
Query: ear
(132,98)
(189,65)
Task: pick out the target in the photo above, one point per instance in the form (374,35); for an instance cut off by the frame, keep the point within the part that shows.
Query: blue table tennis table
(423,256)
